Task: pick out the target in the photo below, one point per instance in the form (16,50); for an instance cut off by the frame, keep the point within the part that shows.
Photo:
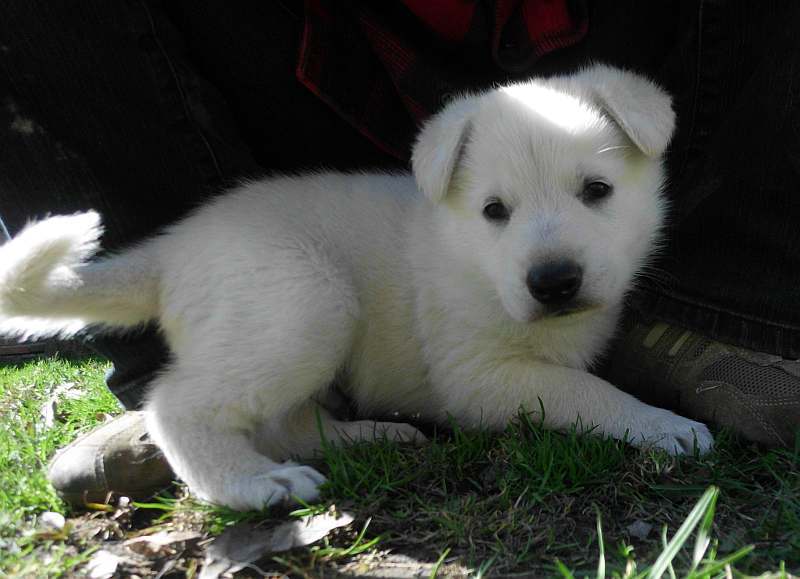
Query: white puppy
(487,285)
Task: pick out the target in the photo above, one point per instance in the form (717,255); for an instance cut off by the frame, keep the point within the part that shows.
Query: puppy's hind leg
(208,443)
(254,365)
(302,431)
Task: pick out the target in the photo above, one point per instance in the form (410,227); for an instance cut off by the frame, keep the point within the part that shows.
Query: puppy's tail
(49,288)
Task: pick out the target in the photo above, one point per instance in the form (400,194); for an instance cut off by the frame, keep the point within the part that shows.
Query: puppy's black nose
(555,282)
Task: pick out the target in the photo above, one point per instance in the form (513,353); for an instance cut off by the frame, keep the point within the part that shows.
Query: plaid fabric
(385,66)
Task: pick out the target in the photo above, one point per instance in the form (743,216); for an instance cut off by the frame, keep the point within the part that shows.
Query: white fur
(269,293)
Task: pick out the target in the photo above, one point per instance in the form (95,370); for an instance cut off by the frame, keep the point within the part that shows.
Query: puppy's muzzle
(555,283)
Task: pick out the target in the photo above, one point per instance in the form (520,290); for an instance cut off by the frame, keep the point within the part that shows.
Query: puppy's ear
(440,145)
(640,107)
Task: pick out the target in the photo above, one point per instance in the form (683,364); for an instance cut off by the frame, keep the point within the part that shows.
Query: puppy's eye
(596,191)
(496,211)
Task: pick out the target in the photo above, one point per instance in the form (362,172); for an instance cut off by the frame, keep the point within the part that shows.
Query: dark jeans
(142,110)
(733,261)
(100,108)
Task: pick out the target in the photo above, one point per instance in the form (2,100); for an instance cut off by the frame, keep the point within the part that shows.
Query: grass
(530,497)
(527,500)
(77,396)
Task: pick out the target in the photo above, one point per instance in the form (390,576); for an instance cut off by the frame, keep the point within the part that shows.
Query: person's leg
(717,323)
(97,110)
(251,53)
(733,242)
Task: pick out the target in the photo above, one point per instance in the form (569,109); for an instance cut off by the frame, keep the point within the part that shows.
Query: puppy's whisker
(613,148)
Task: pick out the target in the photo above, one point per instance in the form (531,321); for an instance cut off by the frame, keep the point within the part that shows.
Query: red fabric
(450,19)
(385,66)
(543,18)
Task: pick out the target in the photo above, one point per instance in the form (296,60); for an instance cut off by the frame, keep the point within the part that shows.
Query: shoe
(117,458)
(754,394)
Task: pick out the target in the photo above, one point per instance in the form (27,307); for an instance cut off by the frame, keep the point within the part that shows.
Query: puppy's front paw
(278,486)
(675,434)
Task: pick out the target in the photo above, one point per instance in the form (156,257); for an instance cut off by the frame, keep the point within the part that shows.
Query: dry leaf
(245,543)
(103,564)
(160,544)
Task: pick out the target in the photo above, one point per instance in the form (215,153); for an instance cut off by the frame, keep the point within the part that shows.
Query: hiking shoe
(754,394)
(117,458)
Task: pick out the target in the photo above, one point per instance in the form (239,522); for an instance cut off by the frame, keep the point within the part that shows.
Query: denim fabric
(99,110)
(730,267)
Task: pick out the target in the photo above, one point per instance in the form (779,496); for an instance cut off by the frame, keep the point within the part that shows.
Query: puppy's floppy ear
(439,146)
(640,107)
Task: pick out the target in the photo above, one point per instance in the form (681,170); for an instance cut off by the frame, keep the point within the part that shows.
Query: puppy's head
(550,188)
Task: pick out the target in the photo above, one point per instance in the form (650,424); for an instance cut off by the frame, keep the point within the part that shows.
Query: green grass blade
(483,570)
(564,570)
(601,563)
(715,567)
(704,533)
(664,544)
(684,531)
(437,566)
(357,545)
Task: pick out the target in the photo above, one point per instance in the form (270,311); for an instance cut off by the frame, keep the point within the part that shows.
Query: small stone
(639,529)
(52,522)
